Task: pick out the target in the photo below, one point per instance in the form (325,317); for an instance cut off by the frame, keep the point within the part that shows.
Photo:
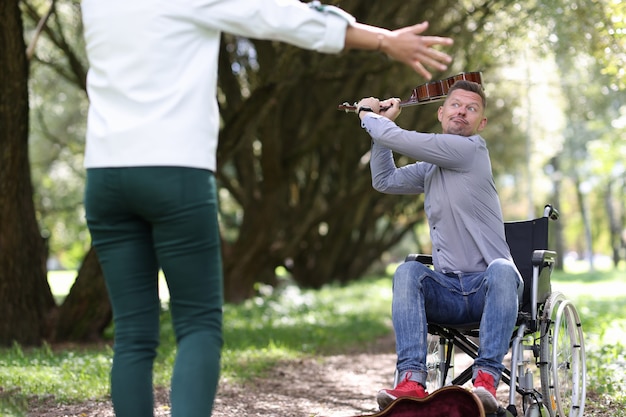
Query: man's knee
(504,274)
(408,274)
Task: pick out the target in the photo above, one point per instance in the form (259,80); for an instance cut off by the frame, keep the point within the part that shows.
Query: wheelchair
(547,353)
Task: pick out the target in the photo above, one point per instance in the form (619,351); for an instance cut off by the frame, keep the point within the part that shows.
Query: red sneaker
(406,388)
(485,390)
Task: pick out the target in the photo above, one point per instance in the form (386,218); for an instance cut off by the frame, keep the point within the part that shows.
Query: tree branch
(40,26)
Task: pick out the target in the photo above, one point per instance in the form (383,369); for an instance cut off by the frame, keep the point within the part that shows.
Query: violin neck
(413,102)
(406,103)
(427,93)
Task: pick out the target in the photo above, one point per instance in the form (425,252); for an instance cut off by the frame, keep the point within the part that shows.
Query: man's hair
(469,86)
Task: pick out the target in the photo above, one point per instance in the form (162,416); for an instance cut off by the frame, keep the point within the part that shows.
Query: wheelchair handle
(550,212)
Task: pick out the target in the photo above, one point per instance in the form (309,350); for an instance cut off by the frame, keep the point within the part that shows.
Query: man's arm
(446,151)
(387,178)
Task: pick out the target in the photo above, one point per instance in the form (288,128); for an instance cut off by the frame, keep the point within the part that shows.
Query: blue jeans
(488,298)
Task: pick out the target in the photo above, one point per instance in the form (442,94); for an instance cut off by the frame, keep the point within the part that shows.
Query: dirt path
(341,385)
(330,386)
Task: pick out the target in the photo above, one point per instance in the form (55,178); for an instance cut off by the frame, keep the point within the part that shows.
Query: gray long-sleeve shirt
(461,201)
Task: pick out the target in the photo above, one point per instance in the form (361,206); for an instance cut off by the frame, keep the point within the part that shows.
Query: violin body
(429,92)
(449,401)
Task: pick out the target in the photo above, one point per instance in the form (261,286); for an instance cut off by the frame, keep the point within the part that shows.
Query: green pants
(142,219)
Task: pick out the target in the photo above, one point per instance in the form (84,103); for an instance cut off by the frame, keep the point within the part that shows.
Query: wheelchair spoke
(436,363)
(562,361)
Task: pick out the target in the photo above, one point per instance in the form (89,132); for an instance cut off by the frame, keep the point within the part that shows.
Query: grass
(290,324)
(264,330)
(600,298)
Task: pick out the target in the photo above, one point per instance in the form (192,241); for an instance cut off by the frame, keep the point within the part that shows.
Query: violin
(429,92)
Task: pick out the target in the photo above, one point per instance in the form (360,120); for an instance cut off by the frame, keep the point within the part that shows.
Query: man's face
(462,113)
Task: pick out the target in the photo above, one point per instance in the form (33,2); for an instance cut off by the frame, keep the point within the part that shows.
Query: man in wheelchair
(474,280)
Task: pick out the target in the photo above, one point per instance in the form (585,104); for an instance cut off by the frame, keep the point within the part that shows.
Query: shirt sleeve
(310,26)
(388,179)
(446,151)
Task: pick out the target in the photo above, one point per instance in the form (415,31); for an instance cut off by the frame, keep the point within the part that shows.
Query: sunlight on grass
(290,323)
(298,322)
(72,375)
(61,282)
(600,298)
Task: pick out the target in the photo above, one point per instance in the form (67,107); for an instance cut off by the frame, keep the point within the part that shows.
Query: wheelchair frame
(548,335)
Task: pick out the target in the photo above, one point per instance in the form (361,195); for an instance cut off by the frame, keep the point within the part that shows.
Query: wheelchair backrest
(523,238)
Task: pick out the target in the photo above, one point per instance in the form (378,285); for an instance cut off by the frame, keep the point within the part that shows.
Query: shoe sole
(383,399)
(490,404)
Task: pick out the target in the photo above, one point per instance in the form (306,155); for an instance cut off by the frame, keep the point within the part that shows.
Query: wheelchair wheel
(562,358)
(436,363)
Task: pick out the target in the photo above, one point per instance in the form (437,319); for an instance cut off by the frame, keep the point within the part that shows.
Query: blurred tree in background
(295,188)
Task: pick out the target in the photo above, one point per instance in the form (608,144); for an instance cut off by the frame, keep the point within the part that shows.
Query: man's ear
(482,124)
(440,113)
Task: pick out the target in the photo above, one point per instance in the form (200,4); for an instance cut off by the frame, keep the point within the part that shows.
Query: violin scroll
(347,107)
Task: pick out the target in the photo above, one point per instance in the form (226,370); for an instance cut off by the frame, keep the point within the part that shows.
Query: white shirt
(153,71)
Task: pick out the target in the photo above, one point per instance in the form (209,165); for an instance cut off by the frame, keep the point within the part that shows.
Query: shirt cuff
(324,8)
(368,116)
(337,22)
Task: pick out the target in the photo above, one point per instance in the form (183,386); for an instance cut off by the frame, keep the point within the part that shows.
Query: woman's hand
(406,45)
(409,46)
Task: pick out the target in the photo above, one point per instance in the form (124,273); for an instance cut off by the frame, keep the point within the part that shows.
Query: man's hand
(370,102)
(390,108)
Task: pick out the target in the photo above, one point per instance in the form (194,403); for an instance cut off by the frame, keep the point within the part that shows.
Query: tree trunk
(585,215)
(615,222)
(86,311)
(556,228)
(292,170)
(26,302)
(298,170)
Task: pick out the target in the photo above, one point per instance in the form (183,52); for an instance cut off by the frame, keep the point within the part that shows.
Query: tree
(86,312)
(590,81)
(26,301)
(281,172)
(293,171)
(297,170)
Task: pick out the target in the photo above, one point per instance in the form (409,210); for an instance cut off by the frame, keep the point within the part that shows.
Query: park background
(295,192)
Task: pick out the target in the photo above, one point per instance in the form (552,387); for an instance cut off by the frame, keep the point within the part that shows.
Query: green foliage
(600,298)
(605,370)
(58,108)
(12,404)
(281,325)
(586,42)
(291,323)
(70,374)
(295,322)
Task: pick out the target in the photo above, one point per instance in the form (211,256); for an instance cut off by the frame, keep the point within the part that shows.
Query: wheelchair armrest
(419,257)
(543,258)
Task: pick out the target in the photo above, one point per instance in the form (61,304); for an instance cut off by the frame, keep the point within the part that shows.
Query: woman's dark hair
(470,86)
